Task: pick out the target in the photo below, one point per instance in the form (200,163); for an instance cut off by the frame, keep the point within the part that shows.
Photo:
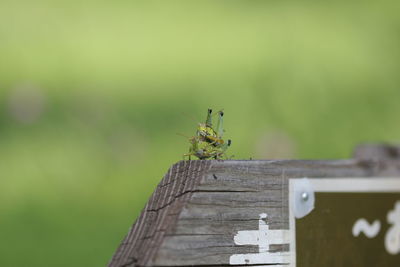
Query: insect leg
(187,155)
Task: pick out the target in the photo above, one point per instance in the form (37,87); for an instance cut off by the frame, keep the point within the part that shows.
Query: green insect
(208,142)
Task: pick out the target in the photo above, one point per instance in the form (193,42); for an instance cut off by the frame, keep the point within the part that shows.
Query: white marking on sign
(263,238)
(392,238)
(355,184)
(369,230)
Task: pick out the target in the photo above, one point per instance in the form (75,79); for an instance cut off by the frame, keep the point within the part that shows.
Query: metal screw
(304,196)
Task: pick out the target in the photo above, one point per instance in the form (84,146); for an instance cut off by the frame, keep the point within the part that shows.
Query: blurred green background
(93,93)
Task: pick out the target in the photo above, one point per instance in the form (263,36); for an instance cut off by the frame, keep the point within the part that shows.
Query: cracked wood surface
(199,206)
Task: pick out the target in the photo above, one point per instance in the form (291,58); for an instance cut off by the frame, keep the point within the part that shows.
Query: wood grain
(160,214)
(198,207)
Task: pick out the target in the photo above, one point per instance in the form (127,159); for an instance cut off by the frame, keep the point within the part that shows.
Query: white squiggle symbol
(370,230)
(392,238)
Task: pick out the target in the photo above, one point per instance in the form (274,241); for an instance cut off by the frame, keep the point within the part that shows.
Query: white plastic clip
(303,198)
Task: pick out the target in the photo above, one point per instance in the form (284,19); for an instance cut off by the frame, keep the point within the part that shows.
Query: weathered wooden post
(272,212)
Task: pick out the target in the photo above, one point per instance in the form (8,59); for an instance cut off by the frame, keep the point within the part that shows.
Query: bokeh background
(92,94)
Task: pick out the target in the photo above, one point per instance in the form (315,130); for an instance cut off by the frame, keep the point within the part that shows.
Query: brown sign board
(351,222)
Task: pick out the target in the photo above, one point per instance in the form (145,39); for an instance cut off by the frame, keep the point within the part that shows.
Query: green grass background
(111,79)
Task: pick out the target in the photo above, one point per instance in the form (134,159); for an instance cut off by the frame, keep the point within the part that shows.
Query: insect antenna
(187,116)
(180,134)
